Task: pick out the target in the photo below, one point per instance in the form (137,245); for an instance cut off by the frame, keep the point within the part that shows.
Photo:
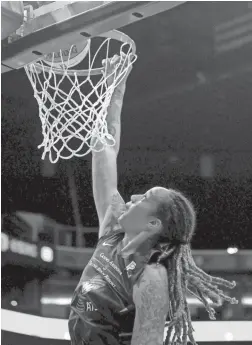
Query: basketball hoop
(73,103)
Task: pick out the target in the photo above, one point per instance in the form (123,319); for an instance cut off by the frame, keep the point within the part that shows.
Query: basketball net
(70,119)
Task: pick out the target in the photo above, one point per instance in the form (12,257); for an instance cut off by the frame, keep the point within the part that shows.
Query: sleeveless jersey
(102,307)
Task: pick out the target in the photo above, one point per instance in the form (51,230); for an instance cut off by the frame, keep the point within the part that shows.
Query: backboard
(50,26)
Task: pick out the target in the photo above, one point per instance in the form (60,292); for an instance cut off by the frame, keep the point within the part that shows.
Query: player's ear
(155,225)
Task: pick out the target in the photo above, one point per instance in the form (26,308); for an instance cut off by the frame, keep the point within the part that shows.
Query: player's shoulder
(153,278)
(156,272)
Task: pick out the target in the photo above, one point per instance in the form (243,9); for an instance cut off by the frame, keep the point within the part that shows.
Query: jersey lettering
(105,289)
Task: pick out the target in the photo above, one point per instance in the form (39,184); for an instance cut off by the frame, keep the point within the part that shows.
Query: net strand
(70,119)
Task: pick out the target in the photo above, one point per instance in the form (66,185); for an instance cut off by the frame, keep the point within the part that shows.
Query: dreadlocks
(179,218)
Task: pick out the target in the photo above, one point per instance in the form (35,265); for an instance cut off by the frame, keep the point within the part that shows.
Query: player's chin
(122,216)
(120,219)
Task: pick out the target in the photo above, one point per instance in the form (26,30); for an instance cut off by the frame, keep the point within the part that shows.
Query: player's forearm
(104,167)
(114,115)
(104,177)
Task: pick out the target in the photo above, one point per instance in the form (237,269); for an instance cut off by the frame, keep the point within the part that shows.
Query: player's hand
(118,68)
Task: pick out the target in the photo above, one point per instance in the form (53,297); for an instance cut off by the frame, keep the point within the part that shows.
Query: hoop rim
(114,34)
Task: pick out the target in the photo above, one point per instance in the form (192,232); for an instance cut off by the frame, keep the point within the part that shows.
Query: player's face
(141,208)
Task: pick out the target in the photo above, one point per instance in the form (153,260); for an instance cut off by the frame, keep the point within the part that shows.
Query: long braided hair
(179,218)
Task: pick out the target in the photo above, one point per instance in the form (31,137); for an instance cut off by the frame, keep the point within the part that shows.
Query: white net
(73,104)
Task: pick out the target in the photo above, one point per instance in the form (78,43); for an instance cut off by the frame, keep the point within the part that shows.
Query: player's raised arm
(104,163)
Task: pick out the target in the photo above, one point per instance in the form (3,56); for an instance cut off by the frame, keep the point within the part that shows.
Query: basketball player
(142,267)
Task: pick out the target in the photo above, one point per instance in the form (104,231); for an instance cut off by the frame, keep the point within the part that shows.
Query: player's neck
(130,243)
(127,239)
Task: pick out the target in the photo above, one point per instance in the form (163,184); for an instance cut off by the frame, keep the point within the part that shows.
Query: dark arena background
(186,124)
